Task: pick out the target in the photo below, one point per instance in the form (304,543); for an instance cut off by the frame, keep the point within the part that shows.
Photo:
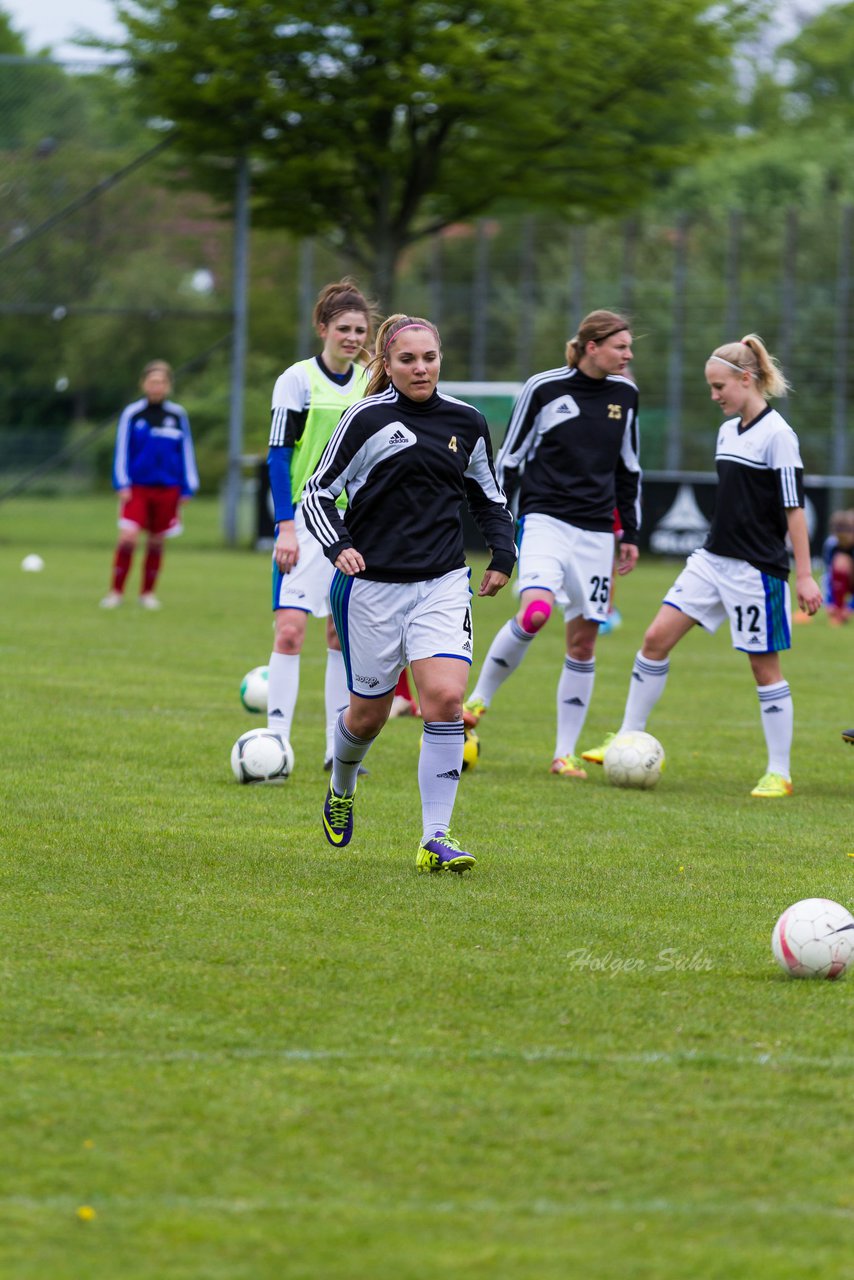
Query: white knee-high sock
(503,657)
(439,768)
(337,695)
(646,686)
(282,690)
(775,704)
(348,752)
(574,691)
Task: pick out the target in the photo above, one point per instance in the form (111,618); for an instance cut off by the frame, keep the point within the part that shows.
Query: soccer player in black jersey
(407,457)
(741,573)
(572,448)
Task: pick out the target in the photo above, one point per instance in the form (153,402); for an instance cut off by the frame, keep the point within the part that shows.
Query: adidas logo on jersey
(453,774)
(398,438)
(563,407)
(467,646)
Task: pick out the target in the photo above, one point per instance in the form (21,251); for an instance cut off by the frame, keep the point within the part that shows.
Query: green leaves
(386,121)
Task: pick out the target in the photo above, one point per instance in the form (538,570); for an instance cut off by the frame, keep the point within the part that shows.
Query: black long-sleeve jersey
(760,478)
(407,466)
(574,440)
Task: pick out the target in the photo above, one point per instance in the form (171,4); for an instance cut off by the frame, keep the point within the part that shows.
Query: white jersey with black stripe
(760,477)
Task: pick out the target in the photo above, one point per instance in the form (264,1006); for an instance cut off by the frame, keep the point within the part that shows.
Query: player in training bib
(407,457)
(741,573)
(573,440)
(308,400)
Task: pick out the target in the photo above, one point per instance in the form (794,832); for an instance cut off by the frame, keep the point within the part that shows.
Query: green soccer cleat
(338,818)
(473,709)
(596,755)
(442,853)
(568,767)
(772,786)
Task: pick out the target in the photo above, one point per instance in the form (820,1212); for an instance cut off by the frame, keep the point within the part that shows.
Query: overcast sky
(53,23)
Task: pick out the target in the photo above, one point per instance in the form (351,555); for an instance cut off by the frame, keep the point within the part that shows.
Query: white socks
(282,690)
(645,688)
(775,704)
(574,691)
(348,752)
(337,695)
(505,653)
(439,767)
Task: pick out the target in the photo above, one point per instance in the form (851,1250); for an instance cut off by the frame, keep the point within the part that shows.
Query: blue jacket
(154,446)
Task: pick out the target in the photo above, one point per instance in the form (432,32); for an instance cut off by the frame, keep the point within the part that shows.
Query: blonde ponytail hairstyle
(386,334)
(750,355)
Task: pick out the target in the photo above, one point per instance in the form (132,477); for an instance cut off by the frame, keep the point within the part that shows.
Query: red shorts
(152,507)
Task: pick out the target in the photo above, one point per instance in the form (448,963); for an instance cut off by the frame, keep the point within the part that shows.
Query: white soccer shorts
(307,585)
(712,588)
(576,565)
(383,626)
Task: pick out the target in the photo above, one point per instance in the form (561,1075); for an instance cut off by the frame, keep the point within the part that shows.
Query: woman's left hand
(492,583)
(349,561)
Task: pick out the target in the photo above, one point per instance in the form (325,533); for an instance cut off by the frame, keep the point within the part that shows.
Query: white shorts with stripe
(712,588)
(307,585)
(383,626)
(576,565)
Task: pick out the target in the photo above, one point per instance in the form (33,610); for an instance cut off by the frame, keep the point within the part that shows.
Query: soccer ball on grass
(261,756)
(253,689)
(814,939)
(634,760)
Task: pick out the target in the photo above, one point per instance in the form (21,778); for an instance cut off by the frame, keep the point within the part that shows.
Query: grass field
(253,1056)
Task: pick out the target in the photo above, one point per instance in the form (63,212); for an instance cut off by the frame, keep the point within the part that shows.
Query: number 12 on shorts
(751,618)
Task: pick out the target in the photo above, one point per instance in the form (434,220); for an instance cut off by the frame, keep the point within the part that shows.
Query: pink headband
(415,324)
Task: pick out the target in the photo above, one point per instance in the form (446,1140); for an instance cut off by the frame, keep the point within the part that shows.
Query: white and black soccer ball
(253,689)
(814,938)
(634,759)
(262,756)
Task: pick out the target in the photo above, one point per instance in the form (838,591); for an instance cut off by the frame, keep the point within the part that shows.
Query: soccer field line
(545,1054)
(539,1207)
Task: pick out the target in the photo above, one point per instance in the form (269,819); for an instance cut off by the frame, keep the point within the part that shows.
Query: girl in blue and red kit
(154,471)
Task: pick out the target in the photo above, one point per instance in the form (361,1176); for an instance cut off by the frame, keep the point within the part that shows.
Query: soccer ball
(253,689)
(634,759)
(471,750)
(261,756)
(814,939)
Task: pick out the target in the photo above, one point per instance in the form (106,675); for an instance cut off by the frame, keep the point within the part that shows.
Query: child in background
(838,556)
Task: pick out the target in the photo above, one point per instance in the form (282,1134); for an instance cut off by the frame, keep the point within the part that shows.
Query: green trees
(380,122)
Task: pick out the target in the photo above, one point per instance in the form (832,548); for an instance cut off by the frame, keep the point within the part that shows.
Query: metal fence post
(673,441)
(480,302)
(839,447)
(238,350)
